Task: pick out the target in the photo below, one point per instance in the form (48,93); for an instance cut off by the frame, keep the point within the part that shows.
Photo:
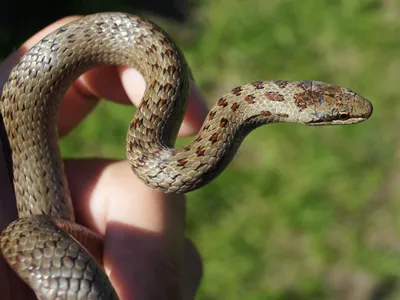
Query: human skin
(146,254)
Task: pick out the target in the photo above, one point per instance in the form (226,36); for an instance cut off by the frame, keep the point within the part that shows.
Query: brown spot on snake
(222,102)
(237,91)
(258,85)
(171,70)
(154,30)
(168,87)
(234,106)
(265,113)
(143,159)
(182,162)
(201,150)
(214,138)
(136,123)
(250,99)
(274,96)
(169,53)
(281,83)
(223,122)
(153,49)
(133,145)
(305,85)
(211,115)
(153,118)
(303,100)
(282,115)
(161,102)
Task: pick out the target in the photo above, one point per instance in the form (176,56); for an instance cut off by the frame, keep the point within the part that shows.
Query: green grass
(301,213)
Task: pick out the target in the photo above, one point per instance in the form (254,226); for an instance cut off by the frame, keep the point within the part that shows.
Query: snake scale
(38,246)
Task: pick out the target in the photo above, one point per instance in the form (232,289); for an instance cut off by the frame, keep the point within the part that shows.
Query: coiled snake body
(46,257)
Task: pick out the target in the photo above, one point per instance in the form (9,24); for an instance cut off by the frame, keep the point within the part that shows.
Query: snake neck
(183,170)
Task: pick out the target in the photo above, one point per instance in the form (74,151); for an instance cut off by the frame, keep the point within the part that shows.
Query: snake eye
(343,115)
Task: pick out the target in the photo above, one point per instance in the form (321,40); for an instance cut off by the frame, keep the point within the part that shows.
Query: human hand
(145,252)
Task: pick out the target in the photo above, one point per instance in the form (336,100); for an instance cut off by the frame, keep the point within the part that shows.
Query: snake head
(335,105)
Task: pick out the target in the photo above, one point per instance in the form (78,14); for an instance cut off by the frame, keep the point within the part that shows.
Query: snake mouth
(324,122)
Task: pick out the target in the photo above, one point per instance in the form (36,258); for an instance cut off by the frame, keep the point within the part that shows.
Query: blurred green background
(302,212)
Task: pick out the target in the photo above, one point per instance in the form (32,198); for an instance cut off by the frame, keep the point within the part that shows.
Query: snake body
(38,246)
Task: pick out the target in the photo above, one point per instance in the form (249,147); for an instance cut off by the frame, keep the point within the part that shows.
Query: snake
(44,245)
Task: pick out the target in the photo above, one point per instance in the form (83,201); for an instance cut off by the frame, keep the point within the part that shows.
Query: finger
(196,112)
(193,270)
(12,286)
(8,210)
(107,191)
(143,228)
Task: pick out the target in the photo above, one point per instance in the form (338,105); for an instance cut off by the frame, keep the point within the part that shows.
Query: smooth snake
(46,257)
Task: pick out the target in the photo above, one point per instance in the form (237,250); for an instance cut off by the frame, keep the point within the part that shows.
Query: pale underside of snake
(38,245)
